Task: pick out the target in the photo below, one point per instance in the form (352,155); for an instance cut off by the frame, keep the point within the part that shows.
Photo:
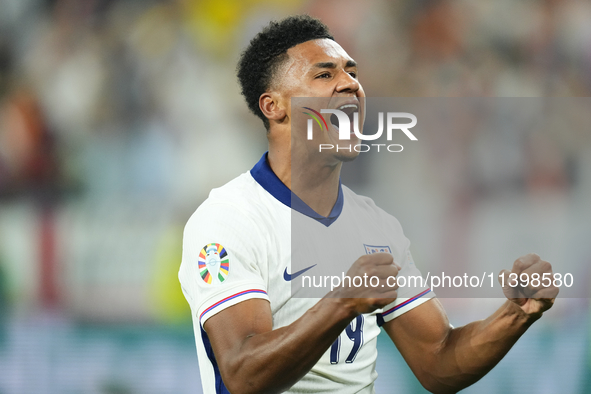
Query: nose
(347,83)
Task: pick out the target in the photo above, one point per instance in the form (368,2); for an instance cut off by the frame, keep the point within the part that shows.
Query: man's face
(321,68)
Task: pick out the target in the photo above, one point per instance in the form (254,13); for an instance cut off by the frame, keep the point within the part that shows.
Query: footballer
(252,334)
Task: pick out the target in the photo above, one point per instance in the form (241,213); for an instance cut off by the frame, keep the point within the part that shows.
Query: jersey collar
(264,175)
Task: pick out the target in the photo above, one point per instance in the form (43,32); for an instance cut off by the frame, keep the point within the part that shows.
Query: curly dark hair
(268,50)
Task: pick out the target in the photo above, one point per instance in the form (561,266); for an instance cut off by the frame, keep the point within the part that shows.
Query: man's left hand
(530,284)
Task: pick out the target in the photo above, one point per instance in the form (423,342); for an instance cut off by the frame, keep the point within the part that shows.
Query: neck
(280,162)
(317,185)
(311,179)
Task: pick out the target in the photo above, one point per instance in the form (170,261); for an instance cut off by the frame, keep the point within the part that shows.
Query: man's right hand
(371,295)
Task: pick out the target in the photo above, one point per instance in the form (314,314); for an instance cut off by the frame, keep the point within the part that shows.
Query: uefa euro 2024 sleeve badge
(214,263)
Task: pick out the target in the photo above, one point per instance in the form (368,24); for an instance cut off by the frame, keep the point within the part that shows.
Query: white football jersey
(238,246)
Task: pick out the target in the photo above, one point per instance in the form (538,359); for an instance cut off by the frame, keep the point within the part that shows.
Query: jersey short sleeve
(411,295)
(412,290)
(223,254)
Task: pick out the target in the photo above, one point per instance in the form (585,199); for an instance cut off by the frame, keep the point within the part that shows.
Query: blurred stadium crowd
(117,117)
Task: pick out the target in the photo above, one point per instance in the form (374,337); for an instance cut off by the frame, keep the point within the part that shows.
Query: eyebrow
(350,63)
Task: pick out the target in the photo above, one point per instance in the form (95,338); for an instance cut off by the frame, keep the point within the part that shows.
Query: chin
(346,159)
(346,156)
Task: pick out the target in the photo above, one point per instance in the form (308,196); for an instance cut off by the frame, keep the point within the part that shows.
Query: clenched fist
(373,293)
(530,284)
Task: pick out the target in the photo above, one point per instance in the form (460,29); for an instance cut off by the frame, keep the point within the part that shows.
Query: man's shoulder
(242,191)
(237,191)
(363,205)
(359,201)
(241,198)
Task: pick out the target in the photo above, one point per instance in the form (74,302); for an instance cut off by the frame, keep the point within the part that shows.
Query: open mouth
(349,110)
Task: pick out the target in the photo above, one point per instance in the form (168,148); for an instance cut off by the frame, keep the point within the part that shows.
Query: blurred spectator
(27,148)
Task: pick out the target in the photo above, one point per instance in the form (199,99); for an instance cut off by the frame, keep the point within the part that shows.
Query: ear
(271,107)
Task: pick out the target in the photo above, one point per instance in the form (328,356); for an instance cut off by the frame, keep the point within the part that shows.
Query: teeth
(348,106)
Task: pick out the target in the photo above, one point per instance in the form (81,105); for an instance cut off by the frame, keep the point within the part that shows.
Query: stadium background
(118,117)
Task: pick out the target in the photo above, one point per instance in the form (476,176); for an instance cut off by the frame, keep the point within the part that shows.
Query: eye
(323,75)
(353,74)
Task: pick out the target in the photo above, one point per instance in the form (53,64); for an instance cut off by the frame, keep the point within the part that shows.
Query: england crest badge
(371,249)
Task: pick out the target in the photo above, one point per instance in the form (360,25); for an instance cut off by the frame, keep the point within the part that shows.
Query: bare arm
(254,358)
(445,359)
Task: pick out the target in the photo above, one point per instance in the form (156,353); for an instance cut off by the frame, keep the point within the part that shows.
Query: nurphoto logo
(344,119)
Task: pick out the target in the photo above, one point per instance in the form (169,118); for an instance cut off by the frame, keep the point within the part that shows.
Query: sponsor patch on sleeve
(214,263)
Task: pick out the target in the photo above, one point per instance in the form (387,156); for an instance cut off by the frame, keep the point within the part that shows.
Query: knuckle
(362,260)
(519,263)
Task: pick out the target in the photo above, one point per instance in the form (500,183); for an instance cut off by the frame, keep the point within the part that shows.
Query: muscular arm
(254,358)
(446,359)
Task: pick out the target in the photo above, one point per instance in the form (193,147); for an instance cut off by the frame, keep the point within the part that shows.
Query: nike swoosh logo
(290,277)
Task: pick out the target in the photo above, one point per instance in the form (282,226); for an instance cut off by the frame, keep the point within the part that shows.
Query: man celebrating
(252,334)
